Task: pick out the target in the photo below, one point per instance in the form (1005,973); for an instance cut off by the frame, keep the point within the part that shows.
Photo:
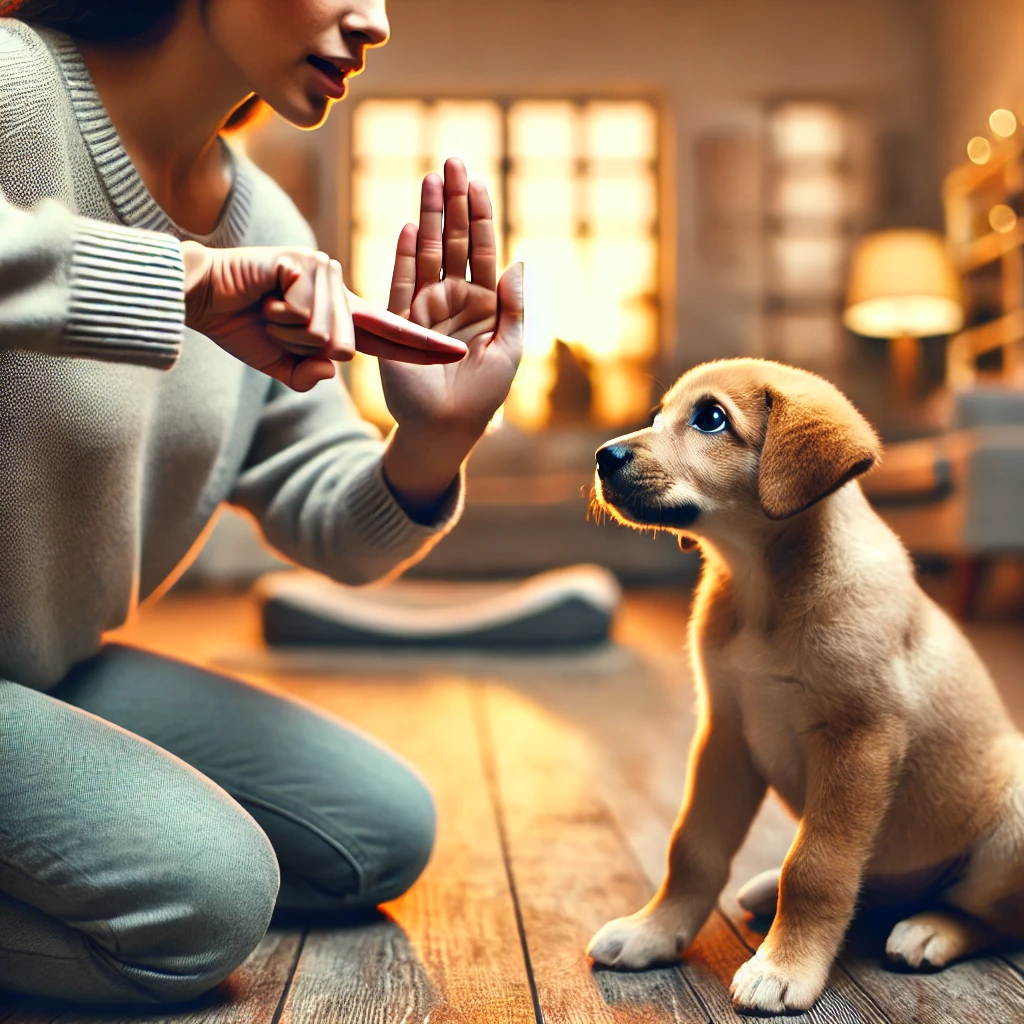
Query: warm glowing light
(364,381)
(582,193)
(806,264)
(818,194)
(803,131)
(903,284)
(979,149)
(1002,218)
(1003,122)
(620,131)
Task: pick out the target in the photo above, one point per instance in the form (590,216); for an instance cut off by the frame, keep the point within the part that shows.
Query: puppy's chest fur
(774,698)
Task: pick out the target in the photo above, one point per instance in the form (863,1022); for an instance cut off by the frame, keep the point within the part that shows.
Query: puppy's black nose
(611,458)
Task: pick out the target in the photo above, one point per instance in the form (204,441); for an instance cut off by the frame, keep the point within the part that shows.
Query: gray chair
(960,495)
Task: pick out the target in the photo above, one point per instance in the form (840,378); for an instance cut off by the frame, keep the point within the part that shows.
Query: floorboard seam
(486,746)
(620,831)
(291,977)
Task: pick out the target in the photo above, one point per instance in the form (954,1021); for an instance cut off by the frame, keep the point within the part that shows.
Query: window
(575,189)
(815,183)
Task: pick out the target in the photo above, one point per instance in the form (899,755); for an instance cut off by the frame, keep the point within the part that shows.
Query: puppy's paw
(636,943)
(929,941)
(762,986)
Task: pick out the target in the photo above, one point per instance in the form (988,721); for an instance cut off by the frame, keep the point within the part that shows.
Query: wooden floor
(557,780)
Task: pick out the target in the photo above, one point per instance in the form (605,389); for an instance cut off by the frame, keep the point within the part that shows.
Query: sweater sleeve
(314,482)
(77,287)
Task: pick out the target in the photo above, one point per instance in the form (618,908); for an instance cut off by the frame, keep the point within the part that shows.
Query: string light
(979,150)
(1002,218)
(1003,122)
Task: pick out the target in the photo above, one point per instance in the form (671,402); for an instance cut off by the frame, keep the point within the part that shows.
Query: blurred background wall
(777,135)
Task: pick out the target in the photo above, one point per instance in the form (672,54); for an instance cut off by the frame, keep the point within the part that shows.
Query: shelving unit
(990,261)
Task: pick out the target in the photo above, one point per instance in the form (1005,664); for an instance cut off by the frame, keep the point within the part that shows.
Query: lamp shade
(903,285)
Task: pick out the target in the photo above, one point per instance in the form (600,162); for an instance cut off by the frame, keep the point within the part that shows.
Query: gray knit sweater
(122,432)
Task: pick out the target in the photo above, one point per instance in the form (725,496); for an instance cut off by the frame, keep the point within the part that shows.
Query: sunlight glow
(582,191)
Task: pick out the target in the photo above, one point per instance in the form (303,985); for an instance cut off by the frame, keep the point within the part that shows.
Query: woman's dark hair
(113,21)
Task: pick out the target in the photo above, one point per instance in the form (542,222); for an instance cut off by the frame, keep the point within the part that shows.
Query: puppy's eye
(711,419)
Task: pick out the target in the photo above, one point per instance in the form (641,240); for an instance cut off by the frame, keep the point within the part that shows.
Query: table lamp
(903,286)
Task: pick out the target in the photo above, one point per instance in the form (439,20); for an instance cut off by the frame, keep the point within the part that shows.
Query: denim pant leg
(351,824)
(125,875)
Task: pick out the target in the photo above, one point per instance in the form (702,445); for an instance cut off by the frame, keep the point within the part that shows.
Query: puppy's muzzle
(636,490)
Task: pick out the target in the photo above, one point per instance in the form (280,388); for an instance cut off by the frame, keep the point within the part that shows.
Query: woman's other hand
(442,411)
(286,312)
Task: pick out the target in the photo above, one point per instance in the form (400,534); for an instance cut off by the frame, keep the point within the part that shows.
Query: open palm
(429,287)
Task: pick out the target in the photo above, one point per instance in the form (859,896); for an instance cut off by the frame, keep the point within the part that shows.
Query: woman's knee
(226,898)
(368,854)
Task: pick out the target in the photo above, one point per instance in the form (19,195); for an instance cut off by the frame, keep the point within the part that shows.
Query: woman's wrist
(421,464)
(196,259)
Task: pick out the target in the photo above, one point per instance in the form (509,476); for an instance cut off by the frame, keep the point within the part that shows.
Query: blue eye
(710,419)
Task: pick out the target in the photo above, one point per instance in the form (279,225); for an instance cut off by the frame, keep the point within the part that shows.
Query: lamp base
(905,355)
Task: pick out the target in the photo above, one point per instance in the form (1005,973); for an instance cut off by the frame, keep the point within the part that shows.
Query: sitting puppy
(824,672)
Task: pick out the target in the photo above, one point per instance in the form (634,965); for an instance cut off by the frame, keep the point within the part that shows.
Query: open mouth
(646,509)
(329,70)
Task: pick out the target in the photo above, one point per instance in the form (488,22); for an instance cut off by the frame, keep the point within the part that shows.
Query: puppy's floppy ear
(812,446)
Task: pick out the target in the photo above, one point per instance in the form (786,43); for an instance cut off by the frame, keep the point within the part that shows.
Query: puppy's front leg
(723,792)
(850,777)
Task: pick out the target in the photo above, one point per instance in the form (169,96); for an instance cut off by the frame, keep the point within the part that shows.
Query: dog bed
(564,608)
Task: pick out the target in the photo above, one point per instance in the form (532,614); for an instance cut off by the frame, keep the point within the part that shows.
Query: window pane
(821,195)
(383,203)
(542,205)
(808,265)
(470,131)
(802,131)
(388,128)
(545,130)
(625,200)
(620,131)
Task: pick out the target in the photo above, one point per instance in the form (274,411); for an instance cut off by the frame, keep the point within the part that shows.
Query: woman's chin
(302,110)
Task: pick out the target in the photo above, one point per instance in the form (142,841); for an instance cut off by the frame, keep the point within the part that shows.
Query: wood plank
(450,948)
(251,995)
(571,871)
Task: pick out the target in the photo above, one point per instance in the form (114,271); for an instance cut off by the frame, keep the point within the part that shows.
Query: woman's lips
(330,77)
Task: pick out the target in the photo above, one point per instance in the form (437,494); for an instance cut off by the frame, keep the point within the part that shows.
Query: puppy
(823,671)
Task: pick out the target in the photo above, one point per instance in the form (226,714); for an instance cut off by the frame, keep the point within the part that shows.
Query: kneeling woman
(166,344)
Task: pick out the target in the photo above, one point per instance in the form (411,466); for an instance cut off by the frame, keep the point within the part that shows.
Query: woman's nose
(369,19)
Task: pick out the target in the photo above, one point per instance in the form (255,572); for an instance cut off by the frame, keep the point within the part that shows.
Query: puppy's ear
(812,446)
(686,543)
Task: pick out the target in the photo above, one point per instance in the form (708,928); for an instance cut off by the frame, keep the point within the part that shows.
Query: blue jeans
(153,814)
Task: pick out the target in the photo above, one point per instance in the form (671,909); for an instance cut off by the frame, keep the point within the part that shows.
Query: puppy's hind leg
(931,940)
(760,895)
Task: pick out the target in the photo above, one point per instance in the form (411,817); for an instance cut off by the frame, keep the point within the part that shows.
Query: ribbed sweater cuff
(383,524)
(127,295)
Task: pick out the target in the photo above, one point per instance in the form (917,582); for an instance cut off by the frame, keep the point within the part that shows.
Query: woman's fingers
(390,327)
(372,345)
(429,246)
(483,253)
(455,235)
(403,278)
(343,340)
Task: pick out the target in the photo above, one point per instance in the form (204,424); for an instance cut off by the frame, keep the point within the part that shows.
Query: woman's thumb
(510,307)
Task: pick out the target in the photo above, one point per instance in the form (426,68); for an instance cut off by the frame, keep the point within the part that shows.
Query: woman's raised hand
(429,287)
(441,411)
(286,312)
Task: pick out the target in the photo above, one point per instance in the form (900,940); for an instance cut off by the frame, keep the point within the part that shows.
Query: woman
(152,815)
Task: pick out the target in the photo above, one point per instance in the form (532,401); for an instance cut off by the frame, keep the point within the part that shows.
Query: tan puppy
(823,671)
